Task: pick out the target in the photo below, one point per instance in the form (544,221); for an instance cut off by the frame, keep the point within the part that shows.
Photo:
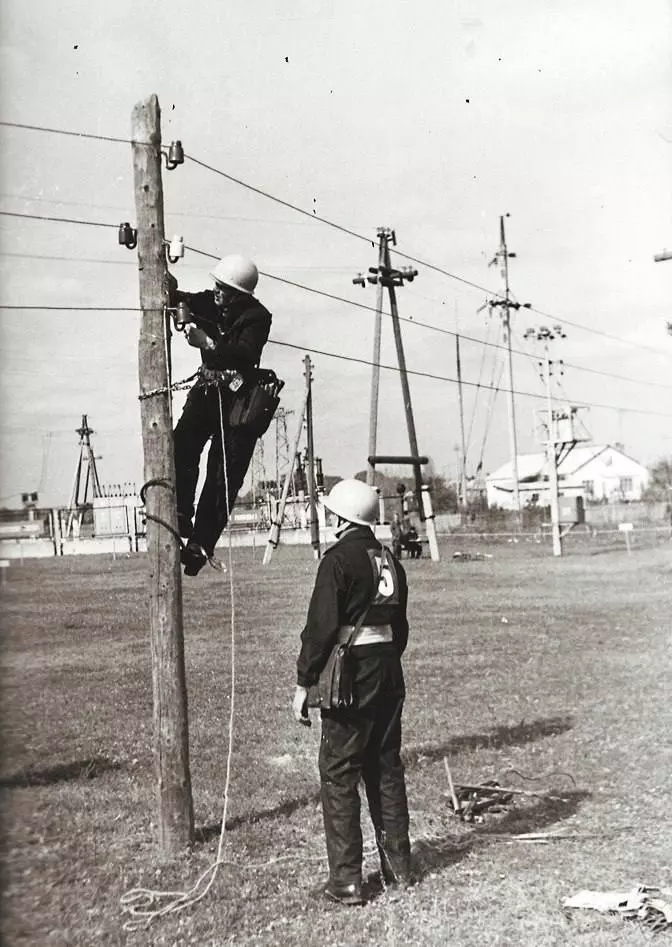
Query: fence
(116,525)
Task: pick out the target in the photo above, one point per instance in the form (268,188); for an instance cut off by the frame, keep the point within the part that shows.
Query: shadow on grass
(435,854)
(61,772)
(498,737)
(517,735)
(205,833)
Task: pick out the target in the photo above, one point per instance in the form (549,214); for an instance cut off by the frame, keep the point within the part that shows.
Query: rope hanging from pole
(142,904)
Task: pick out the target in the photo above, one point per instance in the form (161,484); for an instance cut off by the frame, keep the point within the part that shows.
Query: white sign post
(626,529)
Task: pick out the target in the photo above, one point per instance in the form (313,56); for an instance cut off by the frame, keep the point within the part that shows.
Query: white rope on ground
(140,902)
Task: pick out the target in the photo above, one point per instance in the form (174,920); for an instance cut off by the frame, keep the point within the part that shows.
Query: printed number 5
(386,580)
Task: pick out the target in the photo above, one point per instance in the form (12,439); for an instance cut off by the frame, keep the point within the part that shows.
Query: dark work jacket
(344,588)
(240,330)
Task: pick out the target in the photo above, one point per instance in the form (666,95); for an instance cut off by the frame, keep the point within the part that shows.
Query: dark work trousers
(364,743)
(199,422)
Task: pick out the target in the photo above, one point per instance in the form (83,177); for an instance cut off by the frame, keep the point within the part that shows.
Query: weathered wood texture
(175,819)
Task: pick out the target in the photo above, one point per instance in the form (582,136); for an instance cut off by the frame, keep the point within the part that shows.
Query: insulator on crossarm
(174,155)
(128,236)
(175,249)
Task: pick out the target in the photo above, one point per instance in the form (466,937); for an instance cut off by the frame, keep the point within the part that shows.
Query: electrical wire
(32,199)
(64,259)
(471,384)
(348,358)
(415,259)
(57,220)
(63,131)
(339,227)
(280,279)
(490,413)
(272,276)
(478,384)
(278,200)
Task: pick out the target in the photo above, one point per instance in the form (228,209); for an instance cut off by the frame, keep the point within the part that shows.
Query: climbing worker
(359,581)
(230,327)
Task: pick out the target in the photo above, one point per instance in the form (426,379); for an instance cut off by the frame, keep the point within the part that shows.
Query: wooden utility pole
(552,460)
(506,310)
(405,389)
(546,335)
(310,450)
(503,255)
(385,276)
(171,732)
(383,236)
(463,448)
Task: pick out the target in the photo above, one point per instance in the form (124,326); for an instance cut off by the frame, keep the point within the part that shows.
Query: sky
(433,118)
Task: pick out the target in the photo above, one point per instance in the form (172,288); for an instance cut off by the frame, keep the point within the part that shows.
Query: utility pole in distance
(506,305)
(385,276)
(383,237)
(171,733)
(310,452)
(546,335)
(462,473)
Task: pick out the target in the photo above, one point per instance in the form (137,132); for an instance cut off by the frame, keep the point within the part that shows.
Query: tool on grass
(453,795)
(469,803)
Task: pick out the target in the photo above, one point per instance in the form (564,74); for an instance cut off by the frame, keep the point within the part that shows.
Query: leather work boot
(396,869)
(398,879)
(193,557)
(350,895)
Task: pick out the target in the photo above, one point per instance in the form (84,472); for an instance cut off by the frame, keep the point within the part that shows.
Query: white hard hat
(236,271)
(353,501)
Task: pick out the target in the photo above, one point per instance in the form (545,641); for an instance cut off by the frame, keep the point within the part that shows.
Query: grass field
(519,667)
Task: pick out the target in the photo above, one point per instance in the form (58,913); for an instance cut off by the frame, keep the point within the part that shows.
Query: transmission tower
(283,457)
(86,476)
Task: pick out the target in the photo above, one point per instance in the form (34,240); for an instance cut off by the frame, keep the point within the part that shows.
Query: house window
(589,488)
(625,484)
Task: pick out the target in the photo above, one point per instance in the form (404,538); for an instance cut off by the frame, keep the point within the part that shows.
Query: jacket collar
(356,532)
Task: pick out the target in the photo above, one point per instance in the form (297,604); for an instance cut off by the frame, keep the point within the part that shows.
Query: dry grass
(518,664)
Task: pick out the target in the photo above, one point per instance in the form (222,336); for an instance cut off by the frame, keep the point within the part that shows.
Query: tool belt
(224,378)
(254,404)
(253,400)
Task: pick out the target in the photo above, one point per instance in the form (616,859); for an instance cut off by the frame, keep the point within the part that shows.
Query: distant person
(357,578)
(410,541)
(230,327)
(395,534)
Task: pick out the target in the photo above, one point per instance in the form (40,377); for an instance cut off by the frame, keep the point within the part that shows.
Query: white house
(593,471)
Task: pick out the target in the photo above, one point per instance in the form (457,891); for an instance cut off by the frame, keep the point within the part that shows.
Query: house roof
(532,466)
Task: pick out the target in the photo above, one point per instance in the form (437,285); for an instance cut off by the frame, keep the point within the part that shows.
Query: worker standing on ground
(358,577)
(230,327)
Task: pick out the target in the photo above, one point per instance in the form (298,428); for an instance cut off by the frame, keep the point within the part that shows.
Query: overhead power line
(413,259)
(327,222)
(278,200)
(57,220)
(342,357)
(301,286)
(323,220)
(74,308)
(35,199)
(63,131)
(471,384)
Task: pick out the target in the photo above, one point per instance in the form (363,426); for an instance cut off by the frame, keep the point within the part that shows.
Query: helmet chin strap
(342,526)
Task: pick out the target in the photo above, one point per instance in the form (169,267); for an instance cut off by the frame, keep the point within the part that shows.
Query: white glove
(299,706)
